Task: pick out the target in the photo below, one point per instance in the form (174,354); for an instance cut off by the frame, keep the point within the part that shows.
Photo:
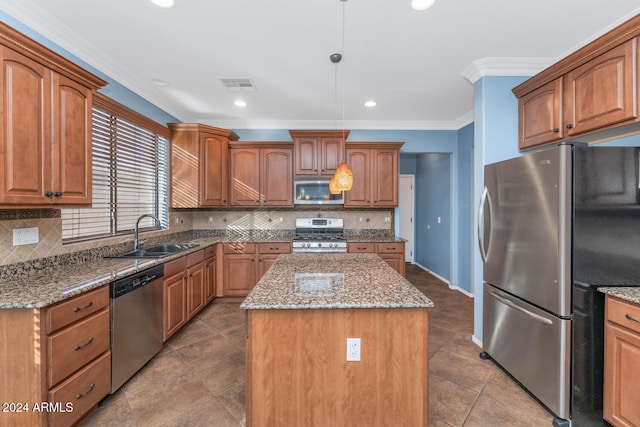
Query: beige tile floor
(198,377)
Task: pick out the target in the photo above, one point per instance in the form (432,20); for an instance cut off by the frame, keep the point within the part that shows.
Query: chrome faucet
(136,242)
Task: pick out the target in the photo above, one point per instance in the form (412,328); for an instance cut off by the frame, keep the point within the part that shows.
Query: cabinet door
(266,260)
(240,273)
(276,177)
(384,184)
(330,155)
(195,289)
(71,147)
(396,261)
(25,139)
(360,193)
(213,170)
(601,92)
(210,279)
(175,304)
(306,156)
(540,115)
(245,177)
(621,376)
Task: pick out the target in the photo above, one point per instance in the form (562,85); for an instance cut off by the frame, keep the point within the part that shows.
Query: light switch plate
(25,236)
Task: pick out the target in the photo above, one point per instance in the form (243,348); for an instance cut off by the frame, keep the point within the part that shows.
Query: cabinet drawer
(210,251)
(623,313)
(390,248)
(75,346)
(361,248)
(175,266)
(67,312)
(239,248)
(83,390)
(274,248)
(195,258)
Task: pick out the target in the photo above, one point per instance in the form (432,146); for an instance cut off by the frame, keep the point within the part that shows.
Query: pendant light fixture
(342,179)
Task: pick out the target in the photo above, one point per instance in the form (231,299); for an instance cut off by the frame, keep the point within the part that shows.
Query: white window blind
(130,178)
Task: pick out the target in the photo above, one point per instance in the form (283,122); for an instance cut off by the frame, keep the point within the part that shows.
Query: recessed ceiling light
(422,4)
(240,103)
(164,3)
(159,82)
(370,104)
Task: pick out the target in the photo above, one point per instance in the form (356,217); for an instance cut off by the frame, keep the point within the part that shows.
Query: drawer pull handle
(630,317)
(78,347)
(77,309)
(81,395)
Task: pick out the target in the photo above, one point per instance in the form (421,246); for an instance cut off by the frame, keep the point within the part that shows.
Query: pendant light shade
(343,178)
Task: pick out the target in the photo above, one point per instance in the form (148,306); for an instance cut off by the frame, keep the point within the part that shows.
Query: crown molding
(497,66)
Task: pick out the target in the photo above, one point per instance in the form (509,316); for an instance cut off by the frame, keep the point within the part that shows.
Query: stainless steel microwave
(315,192)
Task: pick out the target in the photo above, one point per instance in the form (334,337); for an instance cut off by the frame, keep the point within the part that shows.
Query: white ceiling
(415,65)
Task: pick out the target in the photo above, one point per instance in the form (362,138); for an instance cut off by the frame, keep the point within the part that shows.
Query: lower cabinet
(392,253)
(59,365)
(211,272)
(245,263)
(622,363)
(184,291)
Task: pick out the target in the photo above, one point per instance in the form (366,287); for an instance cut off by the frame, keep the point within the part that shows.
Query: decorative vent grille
(238,84)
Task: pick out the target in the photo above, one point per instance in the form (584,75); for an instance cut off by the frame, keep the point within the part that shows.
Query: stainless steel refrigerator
(553,226)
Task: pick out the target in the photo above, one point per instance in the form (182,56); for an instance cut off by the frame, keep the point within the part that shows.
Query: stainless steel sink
(158,251)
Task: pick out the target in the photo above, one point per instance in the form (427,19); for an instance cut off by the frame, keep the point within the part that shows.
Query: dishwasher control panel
(129,283)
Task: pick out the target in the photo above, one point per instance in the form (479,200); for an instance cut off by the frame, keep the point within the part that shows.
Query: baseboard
(455,288)
(476,341)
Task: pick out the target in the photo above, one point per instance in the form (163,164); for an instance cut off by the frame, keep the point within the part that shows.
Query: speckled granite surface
(308,281)
(625,293)
(43,282)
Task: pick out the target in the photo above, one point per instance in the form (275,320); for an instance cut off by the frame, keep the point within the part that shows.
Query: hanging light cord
(342,68)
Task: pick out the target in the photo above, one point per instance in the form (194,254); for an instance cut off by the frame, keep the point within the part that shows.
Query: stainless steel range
(319,235)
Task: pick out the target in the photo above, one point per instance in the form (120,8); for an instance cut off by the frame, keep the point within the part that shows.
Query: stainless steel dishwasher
(136,323)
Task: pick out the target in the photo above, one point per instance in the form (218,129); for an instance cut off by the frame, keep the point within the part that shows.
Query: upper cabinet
(375,174)
(594,89)
(317,153)
(45,145)
(261,174)
(199,158)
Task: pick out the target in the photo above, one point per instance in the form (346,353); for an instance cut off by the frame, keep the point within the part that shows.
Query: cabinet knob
(569,126)
(556,130)
(57,194)
(48,193)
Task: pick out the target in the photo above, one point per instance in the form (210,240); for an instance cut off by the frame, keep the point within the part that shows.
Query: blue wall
(433,200)
(466,210)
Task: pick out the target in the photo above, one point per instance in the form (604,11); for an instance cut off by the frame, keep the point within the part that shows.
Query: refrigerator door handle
(517,307)
(484,199)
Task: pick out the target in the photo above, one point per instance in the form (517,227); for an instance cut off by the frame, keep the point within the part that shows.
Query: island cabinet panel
(297,373)
(622,363)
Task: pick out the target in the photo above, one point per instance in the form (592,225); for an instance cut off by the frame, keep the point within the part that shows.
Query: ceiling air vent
(238,84)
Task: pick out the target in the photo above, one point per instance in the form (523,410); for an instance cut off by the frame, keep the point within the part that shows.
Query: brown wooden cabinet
(45,146)
(60,355)
(391,252)
(622,362)
(317,153)
(211,273)
(375,174)
(184,291)
(199,159)
(261,174)
(540,115)
(245,263)
(592,90)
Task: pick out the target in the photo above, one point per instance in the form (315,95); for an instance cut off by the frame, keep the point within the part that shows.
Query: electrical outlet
(25,236)
(387,219)
(353,349)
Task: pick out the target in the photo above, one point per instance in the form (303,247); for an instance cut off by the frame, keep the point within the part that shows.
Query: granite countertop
(308,281)
(28,287)
(631,294)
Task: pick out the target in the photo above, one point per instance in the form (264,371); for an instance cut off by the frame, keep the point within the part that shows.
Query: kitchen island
(299,317)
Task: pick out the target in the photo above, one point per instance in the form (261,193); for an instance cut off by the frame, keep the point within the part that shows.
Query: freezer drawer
(532,345)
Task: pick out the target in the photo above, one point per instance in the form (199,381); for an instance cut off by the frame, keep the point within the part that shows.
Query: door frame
(408,197)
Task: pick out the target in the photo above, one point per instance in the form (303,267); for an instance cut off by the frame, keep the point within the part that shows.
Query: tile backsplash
(50,227)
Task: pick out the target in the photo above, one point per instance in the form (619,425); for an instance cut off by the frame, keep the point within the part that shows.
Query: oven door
(315,192)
